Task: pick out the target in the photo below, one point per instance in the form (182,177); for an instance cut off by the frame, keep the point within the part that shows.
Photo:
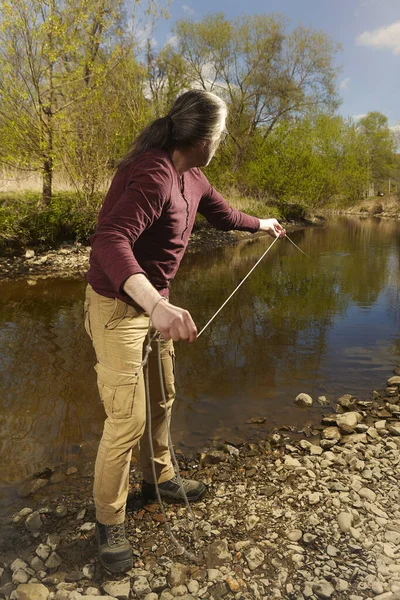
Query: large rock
(395,380)
(304,400)
(32,591)
(348,421)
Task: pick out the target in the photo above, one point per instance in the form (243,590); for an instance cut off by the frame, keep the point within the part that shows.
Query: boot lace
(116,534)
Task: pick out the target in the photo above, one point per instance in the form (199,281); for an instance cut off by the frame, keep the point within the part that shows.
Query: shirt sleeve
(121,223)
(222,216)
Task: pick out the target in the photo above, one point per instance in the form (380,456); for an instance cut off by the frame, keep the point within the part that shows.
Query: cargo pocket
(117,391)
(86,319)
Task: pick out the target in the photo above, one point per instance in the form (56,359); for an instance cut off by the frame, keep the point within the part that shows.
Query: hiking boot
(115,553)
(172,490)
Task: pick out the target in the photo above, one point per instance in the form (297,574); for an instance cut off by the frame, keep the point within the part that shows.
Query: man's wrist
(161,298)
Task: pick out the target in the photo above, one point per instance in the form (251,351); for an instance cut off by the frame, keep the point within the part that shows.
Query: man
(141,235)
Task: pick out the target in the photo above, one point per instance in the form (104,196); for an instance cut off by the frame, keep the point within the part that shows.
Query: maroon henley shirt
(146,220)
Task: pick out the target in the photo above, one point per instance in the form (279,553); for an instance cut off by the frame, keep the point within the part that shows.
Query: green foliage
(22,223)
(308,162)
(380,146)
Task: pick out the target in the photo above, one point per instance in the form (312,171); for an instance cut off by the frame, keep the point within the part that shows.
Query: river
(325,325)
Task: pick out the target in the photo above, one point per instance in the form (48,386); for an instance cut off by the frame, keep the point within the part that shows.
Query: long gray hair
(196,115)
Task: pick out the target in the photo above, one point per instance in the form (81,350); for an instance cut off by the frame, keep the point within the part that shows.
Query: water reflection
(327,325)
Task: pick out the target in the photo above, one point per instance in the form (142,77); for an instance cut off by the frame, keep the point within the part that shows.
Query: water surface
(327,325)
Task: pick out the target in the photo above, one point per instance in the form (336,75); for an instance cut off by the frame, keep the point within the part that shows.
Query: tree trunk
(47,189)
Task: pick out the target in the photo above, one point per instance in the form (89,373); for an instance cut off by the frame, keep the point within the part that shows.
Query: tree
(381,146)
(264,73)
(309,161)
(51,58)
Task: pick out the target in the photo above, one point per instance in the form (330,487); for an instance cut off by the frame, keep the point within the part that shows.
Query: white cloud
(187,9)
(383,37)
(358,117)
(144,35)
(344,84)
(172,40)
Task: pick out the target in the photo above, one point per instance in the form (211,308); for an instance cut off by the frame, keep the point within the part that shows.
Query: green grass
(23,224)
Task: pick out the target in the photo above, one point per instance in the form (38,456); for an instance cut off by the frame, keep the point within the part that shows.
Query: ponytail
(196,115)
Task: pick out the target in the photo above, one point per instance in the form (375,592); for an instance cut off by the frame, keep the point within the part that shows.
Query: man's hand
(273,227)
(173,322)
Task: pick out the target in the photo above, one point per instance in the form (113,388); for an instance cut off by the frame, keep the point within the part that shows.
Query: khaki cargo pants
(118,332)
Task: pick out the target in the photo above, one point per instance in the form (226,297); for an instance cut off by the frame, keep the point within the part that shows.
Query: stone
(33,522)
(151,596)
(331,433)
(117,589)
(348,421)
(159,583)
(86,527)
(323,400)
(28,488)
(345,521)
(179,590)
(213,574)
(74,576)
(255,557)
(32,591)
(43,551)
(141,586)
(323,589)
(304,400)
(178,575)
(233,584)
(37,564)
(292,463)
(367,494)
(193,586)
(213,457)
(217,554)
(20,576)
(395,380)
(18,564)
(314,498)
(294,535)
(89,571)
(347,401)
(71,471)
(21,515)
(61,511)
(341,585)
(53,561)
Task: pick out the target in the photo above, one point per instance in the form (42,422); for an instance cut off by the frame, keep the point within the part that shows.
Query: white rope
(237,287)
(181,548)
(295,245)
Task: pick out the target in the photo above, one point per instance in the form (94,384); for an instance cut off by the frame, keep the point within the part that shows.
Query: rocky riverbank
(72,260)
(317,517)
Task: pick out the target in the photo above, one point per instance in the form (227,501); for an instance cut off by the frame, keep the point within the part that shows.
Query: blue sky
(368,30)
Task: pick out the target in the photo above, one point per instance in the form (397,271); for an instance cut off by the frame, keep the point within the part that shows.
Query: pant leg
(159,425)
(118,333)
